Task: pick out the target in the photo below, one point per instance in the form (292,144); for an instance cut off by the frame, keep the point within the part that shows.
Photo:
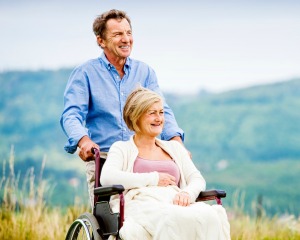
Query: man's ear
(100,41)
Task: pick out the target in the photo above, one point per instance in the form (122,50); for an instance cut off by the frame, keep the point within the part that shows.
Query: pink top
(142,165)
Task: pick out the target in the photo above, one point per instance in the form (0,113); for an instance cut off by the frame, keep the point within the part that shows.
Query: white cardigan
(118,168)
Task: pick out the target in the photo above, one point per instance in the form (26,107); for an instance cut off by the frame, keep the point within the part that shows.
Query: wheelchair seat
(103,222)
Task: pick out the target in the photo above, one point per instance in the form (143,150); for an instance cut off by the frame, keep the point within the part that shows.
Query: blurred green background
(245,141)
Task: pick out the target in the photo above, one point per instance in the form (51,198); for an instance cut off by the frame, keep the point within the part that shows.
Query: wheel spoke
(85,228)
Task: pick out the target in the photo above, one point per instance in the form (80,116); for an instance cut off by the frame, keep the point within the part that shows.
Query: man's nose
(125,37)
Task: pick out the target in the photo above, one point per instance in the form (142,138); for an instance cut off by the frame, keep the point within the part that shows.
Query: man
(97,90)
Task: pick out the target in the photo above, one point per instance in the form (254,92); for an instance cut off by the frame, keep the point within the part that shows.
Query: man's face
(118,42)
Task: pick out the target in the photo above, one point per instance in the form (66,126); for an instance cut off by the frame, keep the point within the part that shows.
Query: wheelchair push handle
(96,153)
(94,150)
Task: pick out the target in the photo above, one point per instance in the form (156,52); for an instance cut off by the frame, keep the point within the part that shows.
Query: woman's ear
(100,41)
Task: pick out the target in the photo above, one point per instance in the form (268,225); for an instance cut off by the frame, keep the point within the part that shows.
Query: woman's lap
(154,219)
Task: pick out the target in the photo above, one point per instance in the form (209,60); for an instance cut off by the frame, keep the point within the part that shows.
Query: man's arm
(76,98)
(171,128)
(178,139)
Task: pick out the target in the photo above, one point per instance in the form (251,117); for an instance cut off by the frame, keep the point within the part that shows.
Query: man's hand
(86,144)
(182,199)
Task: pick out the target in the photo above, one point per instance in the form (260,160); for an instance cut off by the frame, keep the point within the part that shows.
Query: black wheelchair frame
(102,223)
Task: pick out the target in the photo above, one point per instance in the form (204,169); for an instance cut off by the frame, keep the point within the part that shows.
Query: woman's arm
(195,182)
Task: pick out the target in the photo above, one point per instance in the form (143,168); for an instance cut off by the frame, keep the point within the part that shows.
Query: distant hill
(259,123)
(30,106)
(244,133)
(31,103)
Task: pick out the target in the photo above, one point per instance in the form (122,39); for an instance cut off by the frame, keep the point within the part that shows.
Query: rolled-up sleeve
(76,100)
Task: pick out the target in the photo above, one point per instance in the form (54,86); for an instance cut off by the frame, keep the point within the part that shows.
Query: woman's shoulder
(120,144)
(170,144)
(124,145)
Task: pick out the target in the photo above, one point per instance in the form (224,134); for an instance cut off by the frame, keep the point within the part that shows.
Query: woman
(160,179)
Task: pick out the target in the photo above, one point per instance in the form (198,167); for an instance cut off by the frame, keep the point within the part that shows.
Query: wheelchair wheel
(84,227)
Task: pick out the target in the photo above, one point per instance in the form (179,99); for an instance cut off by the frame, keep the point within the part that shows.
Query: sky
(215,45)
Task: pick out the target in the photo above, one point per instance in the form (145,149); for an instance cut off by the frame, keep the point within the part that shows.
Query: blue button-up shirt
(94,99)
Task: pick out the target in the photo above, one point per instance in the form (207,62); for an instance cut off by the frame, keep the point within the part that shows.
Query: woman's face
(152,121)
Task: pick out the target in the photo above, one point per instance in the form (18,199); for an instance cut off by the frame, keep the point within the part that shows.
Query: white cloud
(218,45)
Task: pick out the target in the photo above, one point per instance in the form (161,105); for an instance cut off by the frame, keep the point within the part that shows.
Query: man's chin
(125,54)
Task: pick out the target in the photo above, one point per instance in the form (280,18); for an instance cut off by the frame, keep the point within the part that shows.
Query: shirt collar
(109,65)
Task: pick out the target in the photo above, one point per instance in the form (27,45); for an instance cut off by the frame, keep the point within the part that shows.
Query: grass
(244,227)
(25,215)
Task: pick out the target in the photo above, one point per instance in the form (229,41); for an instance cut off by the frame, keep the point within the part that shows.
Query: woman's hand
(182,199)
(166,179)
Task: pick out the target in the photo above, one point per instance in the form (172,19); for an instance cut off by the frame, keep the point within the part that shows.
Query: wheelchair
(102,223)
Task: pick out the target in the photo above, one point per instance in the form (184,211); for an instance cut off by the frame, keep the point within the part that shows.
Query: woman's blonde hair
(137,103)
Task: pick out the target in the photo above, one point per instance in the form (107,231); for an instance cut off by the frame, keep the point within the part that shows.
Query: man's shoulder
(137,63)
(91,63)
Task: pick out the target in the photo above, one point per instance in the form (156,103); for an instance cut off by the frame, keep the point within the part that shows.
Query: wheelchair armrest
(99,207)
(108,190)
(211,195)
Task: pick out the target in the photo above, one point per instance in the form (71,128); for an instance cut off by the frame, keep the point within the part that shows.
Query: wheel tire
(84,227)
